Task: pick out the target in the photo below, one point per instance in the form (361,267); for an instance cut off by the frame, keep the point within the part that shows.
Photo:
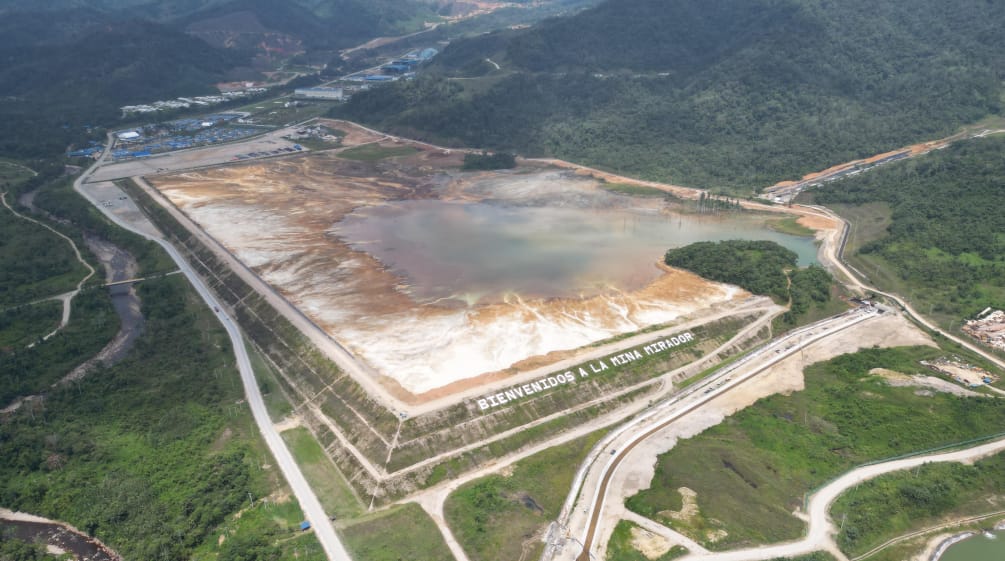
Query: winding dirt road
(67,297)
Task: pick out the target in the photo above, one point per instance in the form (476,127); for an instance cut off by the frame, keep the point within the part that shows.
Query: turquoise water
(449,248)
(977,548)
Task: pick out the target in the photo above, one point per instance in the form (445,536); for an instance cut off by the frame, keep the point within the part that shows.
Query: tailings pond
(982,547)
(481,251)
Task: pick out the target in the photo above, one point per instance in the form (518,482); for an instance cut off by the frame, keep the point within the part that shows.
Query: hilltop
(734,94)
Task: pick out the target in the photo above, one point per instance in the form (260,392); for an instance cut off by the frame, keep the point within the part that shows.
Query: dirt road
(66,298)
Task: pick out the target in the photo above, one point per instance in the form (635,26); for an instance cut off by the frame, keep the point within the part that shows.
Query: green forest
(154,454)
(128,454)
(53,93)
(486,161)
(946,242)
(761,267)
(70,65)
(897,503)
(732,95)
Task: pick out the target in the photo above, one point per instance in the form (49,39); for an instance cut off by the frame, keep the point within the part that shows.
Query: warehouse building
(331,94)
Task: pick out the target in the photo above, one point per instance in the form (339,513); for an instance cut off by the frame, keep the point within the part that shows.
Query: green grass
(620,547)
(28,371)
(12,172)
(815,312)
(499,516)
(334,492)
(751,471)
(19,327)
(404,533)
(317,143)
(34,262)
(268,530)
(372,152)
(633,190)
(275,115)
(790,225)
(815,556)
(275,402)
(899,503)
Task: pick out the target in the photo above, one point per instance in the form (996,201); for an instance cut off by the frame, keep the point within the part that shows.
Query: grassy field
(899,503)
(751,471)
(941,246)
(12,172)
(275,402)
(620,547)
(334,492)
(502,516)
(403,533)
(272,112)
(373,152)
(26,371)
(790,225)
(816,312)
(34,262)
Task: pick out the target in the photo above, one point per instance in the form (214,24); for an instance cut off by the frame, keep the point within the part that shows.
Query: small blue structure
(305,525)
(379,78)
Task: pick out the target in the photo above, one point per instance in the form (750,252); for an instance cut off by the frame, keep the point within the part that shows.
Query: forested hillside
(50,91)
(730,94)
(762,267)
(946,242)
(71,63)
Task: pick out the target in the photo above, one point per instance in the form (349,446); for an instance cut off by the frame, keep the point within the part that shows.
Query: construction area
(962,371)
(988,328)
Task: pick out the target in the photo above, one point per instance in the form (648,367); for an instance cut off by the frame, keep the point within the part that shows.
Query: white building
(319,93)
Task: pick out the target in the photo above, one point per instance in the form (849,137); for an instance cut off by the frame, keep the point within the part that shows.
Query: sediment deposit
(280,218)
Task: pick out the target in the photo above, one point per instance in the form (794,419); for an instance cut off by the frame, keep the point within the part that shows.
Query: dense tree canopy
(735,94)
(947,238)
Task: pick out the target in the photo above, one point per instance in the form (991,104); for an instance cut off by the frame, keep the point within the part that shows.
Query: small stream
(118,265)
(58,536)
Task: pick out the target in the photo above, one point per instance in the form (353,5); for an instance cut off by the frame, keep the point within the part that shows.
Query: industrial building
(331,94)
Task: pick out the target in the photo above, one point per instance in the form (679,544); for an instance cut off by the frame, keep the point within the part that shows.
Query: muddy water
(119,265)
(480,252)
(982,547)
(58,535)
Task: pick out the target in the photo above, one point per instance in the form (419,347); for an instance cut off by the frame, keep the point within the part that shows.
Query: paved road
(591,482)
(837,258)
(314,513)
(821,529)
